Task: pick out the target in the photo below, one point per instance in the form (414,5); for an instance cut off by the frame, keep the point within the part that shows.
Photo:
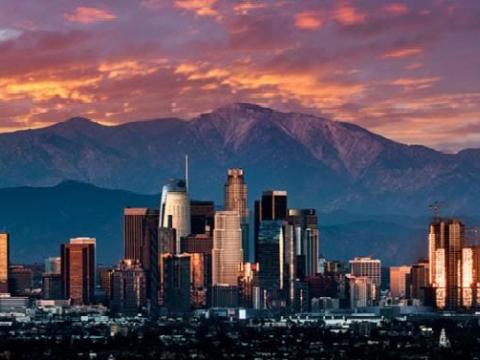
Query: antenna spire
(186,172)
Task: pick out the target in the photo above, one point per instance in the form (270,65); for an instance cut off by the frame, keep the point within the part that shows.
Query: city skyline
(404,69)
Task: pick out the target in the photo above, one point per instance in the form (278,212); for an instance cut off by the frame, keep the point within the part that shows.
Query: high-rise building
(271,261)
(177,283)
(175,202)
(399,281)
(141,233)
(419,280)
(53,265)
(368,267)
(227,254)
(78,270)
(202,215)
(236,200)
(362,291)
(128,287)
(51,286)
(272,206)
(20,280)
(452,265)
(307,240)
(4,261)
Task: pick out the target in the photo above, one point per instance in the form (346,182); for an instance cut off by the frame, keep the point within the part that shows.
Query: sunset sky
(409,70)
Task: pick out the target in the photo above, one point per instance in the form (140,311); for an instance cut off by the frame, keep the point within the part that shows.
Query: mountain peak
(79,121)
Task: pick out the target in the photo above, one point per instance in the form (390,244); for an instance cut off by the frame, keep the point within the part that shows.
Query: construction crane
(436,207)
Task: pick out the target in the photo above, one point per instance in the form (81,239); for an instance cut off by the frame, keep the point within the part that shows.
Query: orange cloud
(416,83)
(348,15)
(308,20)
(199,7)
(89,15)
(400,53)
(396,9)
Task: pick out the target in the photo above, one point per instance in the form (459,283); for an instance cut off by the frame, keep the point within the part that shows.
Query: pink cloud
(89,15)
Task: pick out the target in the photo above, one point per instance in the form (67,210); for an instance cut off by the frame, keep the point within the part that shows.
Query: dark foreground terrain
(212,339)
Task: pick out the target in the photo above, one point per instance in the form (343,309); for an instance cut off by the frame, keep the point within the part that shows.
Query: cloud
(401,53)
(9,34)
(347,14)
(308,20)
(396,9)
(416,83)
(199,7)
(89,15)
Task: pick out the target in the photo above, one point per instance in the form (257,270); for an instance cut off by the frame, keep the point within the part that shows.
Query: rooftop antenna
(186,172)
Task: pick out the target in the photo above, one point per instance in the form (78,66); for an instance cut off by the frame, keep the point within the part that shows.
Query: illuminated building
(236,200)
(362,291)
(78,270)
(247,282)
(227,254)
(370,268)
(128,287)
(202,215)
(4,261)
(399,284)
(452,265)
(175,202)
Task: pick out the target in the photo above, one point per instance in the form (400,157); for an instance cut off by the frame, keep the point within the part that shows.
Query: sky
(408,70)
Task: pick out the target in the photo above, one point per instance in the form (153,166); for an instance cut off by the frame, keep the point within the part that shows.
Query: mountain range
(335,167)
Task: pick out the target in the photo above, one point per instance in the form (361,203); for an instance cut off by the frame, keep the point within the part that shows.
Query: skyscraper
(53,265)
(175,202)
(446,257)
(141,233)
(4,261)
(128,287)
(307,240)
(272,206)
(177,283)
(271,261)
(227,254)
(419,280)
(236,200)
(78,270)
(236,193)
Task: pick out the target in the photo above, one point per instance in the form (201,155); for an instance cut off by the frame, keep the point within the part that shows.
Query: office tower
(140,229)
(51,286)
(307,240)
(20,280)
(78,270)
(399,281)
(175,202)
(177,283)
(227,254)
(272,206)
(419,280)
(469,275)
(451,267)
(362,291)
(141,233)
(53,265)
(236,200)
(236,194)
(128,287)
(202,215)
(4,261)
(247,282)
(271,261)
(370,268)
